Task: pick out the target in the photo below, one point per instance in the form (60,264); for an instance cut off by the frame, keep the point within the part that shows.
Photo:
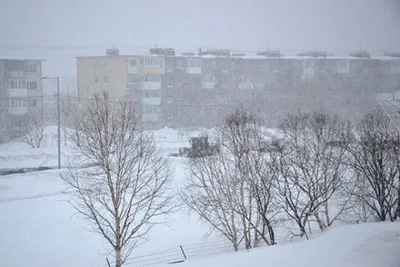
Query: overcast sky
(58,30)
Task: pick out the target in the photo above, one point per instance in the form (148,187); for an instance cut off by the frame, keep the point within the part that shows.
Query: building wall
(201,91)
(20,91)
(22,85)
(101,73)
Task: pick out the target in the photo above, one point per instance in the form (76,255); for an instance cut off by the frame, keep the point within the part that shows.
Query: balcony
(18,92)
(151,100)
(193,70)
(151,85)
(208,85)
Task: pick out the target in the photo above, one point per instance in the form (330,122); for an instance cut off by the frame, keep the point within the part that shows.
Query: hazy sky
(58,30)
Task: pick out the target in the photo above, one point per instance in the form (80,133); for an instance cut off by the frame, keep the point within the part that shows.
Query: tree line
(316,170)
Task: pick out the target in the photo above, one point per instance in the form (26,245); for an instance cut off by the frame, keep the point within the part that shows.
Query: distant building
(200,88)
(20,89)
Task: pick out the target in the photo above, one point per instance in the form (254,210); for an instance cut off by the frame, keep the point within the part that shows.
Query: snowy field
(38,226)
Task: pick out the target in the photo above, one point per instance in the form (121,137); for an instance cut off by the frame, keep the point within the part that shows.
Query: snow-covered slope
(360,245)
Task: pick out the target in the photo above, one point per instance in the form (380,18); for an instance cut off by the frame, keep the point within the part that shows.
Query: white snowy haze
(271,155)
(58,31)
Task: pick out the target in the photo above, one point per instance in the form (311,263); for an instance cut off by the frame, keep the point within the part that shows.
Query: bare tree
(310,167)
(375,160)
(220,189)
(209,192)
(128,192)
(71,116)
(243,137)
(30,127)
(328,140)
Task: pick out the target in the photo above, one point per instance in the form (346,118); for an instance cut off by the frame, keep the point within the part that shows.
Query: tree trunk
(397,212)
(319,221)
(118,259)
(270,231)
(234,233)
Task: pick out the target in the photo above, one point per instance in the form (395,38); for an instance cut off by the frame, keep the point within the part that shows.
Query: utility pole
(57,83)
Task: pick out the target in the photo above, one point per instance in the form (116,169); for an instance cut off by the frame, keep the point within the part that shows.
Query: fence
(179,254)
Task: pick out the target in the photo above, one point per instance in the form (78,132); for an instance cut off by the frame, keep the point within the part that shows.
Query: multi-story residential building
(199,89)
(20,89)
(137,78)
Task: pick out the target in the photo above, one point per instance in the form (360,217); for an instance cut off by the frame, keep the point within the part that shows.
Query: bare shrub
(30,127)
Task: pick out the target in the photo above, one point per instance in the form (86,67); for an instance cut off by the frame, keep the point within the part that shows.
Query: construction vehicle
(200,147)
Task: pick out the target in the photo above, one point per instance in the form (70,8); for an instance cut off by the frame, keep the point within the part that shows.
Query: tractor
(200,147)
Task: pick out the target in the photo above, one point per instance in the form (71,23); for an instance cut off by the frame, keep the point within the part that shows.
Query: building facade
(199,89)
(20,90)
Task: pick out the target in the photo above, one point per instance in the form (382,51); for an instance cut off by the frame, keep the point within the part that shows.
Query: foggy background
(58,31)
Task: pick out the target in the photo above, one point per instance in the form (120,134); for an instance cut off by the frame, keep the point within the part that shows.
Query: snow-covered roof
(237,54)
(17,58)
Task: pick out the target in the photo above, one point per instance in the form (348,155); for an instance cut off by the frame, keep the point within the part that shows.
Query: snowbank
(366,245)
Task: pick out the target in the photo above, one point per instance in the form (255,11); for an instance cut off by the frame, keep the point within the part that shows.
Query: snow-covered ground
(38,227)
(363,245)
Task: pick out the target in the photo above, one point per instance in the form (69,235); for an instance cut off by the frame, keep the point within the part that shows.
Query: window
(194,63)
(132,78)
(180,64)
(170,100)
(22,102)
(170,84)
(106,80)
(308,64)
(168,67)
(16,84)
(208,78)
(17,74)
(95,63)
(32,85)
(11,84)
(249,94)
(33,103)
(244,78)
(32,68)
(150,78)
(152,93)
(151,109)
(342,64)
(95,79)
(132,62)
(150,62)
(22,84)
(13,102)
(18,102)
(209,63)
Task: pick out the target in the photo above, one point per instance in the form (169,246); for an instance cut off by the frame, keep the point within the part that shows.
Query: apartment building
(20,89)
(136,78)
(199,89)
